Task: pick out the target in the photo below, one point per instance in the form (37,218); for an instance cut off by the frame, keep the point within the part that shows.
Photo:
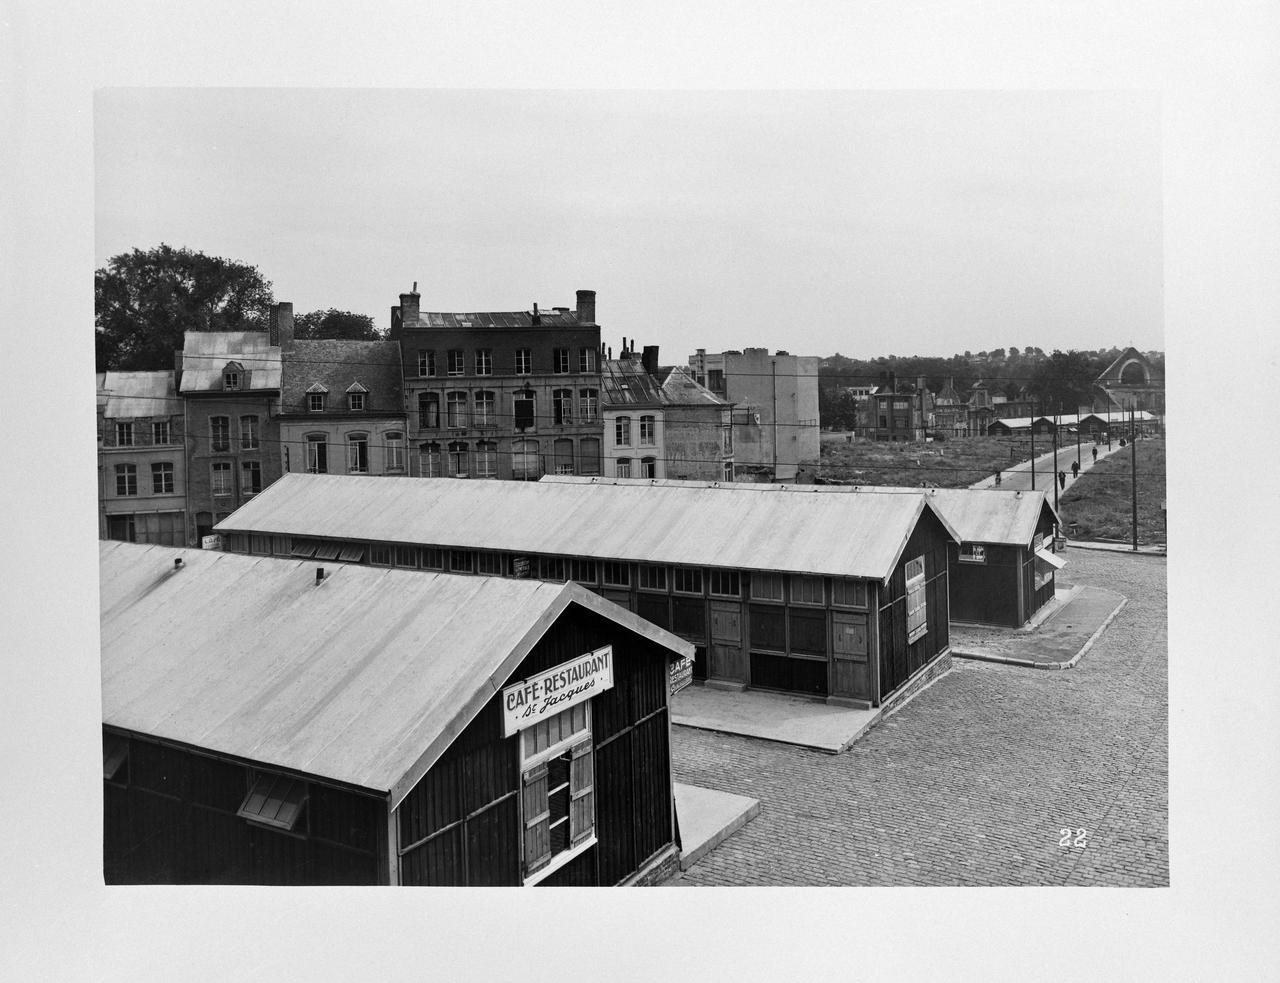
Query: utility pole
(1056,421)
(1133,448)
(1034,404)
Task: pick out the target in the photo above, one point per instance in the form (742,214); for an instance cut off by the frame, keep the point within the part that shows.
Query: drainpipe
(773,364)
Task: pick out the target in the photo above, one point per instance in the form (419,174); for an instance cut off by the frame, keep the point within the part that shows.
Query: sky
(862,222)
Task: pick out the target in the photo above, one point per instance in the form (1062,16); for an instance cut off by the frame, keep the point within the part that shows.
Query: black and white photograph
(550,481)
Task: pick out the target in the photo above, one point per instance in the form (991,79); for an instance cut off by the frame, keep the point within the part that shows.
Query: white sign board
(546,694)
(211,542)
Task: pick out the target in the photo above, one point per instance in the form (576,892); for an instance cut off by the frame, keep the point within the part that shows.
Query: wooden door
(727,658)
(851,669)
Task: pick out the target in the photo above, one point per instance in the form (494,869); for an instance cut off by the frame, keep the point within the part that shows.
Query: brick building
(142,465)
(506,394)
(229,382)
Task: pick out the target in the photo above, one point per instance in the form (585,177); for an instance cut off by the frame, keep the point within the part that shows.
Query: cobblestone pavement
(975,781)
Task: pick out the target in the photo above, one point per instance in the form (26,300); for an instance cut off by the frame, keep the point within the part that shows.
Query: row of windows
(221,480)
(220,433)
(648,468)
(131,434)
(161,479)
(356,402)
(622,431)
(526,458)
(482,361)
(696,581)
(466,409)
(317,460)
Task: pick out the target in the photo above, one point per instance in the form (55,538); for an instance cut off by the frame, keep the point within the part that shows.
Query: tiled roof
(624,382)
(343,366)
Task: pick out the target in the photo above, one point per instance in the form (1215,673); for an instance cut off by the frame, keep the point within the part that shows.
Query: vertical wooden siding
(173,821)
(461,823)
(899,661)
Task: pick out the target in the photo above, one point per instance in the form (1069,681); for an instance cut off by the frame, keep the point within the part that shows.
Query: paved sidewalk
(1058,642)
(772,716)
(707,818)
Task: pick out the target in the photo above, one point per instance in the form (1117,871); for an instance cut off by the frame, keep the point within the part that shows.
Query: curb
(1089,544)
(1029,664)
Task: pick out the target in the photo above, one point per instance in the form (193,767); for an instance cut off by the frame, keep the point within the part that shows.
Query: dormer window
(357,397)
(232,377)
(316,393)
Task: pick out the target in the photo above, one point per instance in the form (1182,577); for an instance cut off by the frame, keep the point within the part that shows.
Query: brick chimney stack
(280,325)
(586,307)
(409,305)
(649,359)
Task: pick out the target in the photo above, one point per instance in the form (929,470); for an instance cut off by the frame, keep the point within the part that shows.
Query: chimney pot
(177,563)
(319,575)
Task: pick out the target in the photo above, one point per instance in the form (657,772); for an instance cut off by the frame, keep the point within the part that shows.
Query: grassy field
(1100,503)
(953,463)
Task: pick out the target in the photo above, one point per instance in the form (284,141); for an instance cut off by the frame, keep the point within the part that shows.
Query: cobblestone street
(977,780)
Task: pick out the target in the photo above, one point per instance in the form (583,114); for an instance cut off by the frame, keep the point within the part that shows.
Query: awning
(1050,558)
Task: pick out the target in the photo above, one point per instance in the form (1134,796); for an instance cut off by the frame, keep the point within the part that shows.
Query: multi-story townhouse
(660,423)
(141,460)
(506,394)
(230,386)
(634,416)
(775,399)
(341,406)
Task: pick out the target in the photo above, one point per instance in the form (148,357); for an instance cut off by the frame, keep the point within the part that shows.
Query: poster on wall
(681,674)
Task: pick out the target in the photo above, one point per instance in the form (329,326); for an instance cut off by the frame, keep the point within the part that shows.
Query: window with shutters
(557,791)
(917,614)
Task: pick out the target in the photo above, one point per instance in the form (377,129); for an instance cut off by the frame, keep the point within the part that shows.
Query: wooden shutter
(582,797)
(537,820)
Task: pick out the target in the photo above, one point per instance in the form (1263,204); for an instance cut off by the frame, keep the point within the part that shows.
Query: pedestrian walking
(1075,469)
(1095,455)
(1062,479)
(997,477)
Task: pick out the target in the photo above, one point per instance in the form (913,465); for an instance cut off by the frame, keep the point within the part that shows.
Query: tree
(1064,379)
(1013,351)
(335,324)
(145,300)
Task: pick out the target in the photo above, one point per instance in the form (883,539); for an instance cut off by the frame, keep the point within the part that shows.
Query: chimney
(537,318)
(395,322)
(280,325)
(650,359)
(409,305)
(586,307)
(319,576)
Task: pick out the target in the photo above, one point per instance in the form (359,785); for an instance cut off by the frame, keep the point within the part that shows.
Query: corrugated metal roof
(364,679)
(684,524)
(206,353)
(976,515)
(139,394)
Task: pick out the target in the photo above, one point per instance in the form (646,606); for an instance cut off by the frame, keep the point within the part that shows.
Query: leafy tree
(1064,379)
(1013,351)
(145,300)
(335,324)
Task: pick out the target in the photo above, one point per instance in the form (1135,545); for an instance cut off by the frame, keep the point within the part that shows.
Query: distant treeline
(1064,378)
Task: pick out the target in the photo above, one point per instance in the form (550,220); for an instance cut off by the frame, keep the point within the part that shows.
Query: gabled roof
(685,524)
(342,365)
(973,515)
(680,388)
(365,678)
(126,395)
(1111,374)
(206,353)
